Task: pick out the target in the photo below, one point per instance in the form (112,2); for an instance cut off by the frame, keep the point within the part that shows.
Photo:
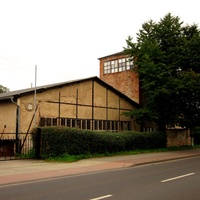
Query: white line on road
(182,176)
(102,197)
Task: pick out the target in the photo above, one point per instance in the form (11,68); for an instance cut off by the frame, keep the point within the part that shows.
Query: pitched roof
(18,93)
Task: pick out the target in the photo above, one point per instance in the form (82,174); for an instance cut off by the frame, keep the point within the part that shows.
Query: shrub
(196,133)
(57,141)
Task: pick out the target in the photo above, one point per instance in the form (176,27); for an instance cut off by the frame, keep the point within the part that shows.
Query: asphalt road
(174,180)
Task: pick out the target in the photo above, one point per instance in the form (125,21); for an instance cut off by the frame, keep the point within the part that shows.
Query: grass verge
(73,158)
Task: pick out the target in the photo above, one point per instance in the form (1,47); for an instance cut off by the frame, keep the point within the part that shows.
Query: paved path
(15,171)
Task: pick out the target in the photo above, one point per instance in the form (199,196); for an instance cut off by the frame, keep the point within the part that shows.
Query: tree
(3,89)
(167,60)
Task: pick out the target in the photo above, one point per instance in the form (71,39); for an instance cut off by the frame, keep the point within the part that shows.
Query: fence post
(38,141)
(18,146)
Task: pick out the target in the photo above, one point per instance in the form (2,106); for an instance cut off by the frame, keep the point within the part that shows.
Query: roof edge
(8,95)
(114,54)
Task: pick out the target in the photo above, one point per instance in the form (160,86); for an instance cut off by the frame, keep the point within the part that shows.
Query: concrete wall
(178,137)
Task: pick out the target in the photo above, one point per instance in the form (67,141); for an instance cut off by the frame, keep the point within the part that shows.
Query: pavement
(19,171)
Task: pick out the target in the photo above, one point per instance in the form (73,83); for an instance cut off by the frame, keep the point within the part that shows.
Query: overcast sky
(65,38)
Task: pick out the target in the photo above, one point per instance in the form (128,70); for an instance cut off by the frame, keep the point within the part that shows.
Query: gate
(12,148)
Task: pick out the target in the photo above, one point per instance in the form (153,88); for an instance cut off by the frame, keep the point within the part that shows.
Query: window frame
(118,65)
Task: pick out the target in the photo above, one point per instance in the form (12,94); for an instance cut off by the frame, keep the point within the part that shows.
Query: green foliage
(196,133)
(58,141)
(167,59)
(3,89)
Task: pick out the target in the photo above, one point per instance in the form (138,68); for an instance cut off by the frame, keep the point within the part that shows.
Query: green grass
(73,158)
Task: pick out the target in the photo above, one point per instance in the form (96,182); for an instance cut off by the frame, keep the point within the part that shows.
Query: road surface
(172,180)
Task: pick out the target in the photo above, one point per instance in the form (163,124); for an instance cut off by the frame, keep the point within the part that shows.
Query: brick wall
(126,82)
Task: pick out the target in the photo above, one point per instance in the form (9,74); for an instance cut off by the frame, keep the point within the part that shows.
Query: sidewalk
(15,171)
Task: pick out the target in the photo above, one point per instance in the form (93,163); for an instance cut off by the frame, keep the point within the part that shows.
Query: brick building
(116,70)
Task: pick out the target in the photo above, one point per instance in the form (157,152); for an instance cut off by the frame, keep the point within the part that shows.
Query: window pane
(88,124)
(113,126)
(68,122)
(78,123)
(42,121)
(122,64)
(107,67)
(48,121)
(84,124)
(100,125)
(95,125)
(108,125)
(114,67)
(63,121)
(129,63)
(104,125)
(54,122)
(73,123)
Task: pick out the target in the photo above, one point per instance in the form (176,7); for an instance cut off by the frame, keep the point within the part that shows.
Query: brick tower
(116,70)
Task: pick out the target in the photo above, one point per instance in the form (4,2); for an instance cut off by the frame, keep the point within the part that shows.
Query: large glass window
(119,65)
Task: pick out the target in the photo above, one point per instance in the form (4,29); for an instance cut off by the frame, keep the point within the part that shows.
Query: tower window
(119,65)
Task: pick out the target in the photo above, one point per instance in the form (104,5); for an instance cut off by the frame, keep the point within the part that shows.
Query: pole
(92,105)
(35,95)
(59,120)
(76,108)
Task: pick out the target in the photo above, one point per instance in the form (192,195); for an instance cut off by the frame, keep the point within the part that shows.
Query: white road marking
(102,197)
(182,176)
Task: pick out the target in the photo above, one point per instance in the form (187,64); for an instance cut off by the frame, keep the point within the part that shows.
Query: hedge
(57,141)
(196,133)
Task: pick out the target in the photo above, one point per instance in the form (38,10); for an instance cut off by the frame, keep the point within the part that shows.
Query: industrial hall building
(94,103)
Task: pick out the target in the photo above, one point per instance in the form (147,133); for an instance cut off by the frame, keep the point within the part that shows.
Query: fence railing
(12,148)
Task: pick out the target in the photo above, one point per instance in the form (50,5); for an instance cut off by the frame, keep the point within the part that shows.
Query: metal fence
(12,148)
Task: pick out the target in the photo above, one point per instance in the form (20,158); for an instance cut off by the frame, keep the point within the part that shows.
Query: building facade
(89,103)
